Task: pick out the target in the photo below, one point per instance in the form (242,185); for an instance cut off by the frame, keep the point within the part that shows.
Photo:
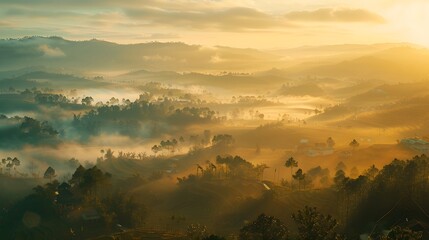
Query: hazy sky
(238,23)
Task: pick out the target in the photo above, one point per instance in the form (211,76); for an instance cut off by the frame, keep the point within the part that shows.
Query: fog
(180,139)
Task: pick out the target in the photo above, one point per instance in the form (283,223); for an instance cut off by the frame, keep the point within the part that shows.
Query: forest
(214,120)
(136,156)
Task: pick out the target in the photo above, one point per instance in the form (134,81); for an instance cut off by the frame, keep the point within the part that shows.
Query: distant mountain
(260,82)
(395,64)
(389,93)
(96,55)
(309,89)
(354,89)
(41,79)
(220,67)
(388,104)
(329,50)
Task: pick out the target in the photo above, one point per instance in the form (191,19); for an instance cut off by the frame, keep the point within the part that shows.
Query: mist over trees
(19,131)
(130,119)
(176,141)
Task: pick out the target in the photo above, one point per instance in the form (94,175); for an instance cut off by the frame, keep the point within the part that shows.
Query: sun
(410,22)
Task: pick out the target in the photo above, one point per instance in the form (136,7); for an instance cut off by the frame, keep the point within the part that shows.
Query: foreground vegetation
(388,203)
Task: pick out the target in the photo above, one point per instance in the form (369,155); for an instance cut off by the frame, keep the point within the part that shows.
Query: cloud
(50,51)
(226,19)
(155,36)
(158,57)
(37,13)
(336,15)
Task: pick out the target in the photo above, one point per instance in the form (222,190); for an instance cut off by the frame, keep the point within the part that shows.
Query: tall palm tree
(291,163)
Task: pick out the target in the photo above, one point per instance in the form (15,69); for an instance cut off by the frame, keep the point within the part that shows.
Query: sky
(263,24)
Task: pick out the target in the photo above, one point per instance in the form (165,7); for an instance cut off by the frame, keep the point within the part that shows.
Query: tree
(260,170)
(214,237)
(35,131)
(77,176)
(15,163)
(87,101)
(237,166)
(73,163)
(113,101)
(225,140)
(199,168)
(330,142)
(264,228)
(341,166)
(11,163)
(108,155)
(291,163)
(196,232)
(92,179)
(169,145)
(156,149)
(314,225)
(399,187)
(340,179)
(372,172)
(399,233)
(299,176)
(123,209)
(49,173)
(354,144)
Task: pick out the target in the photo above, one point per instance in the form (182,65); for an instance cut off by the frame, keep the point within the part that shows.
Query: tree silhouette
(108,155)
(32,129)
(400,233)
(214,237)
(49,173)
(291,163)
(224,140)
(340,179)
(260,170)
(341,166)
(237,166)
(264,228)
(11,163)
(87,101)
(314,225)
(399,190)
(299,176)
(199,168)
(330,142)
(77,176)
(354,144)
(15,162)
(123,209)
(92,179)
(372,172)
(155,149)
(169,145)
(196,232)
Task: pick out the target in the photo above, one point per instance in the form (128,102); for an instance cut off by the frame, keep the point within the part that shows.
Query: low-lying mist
(209,145)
